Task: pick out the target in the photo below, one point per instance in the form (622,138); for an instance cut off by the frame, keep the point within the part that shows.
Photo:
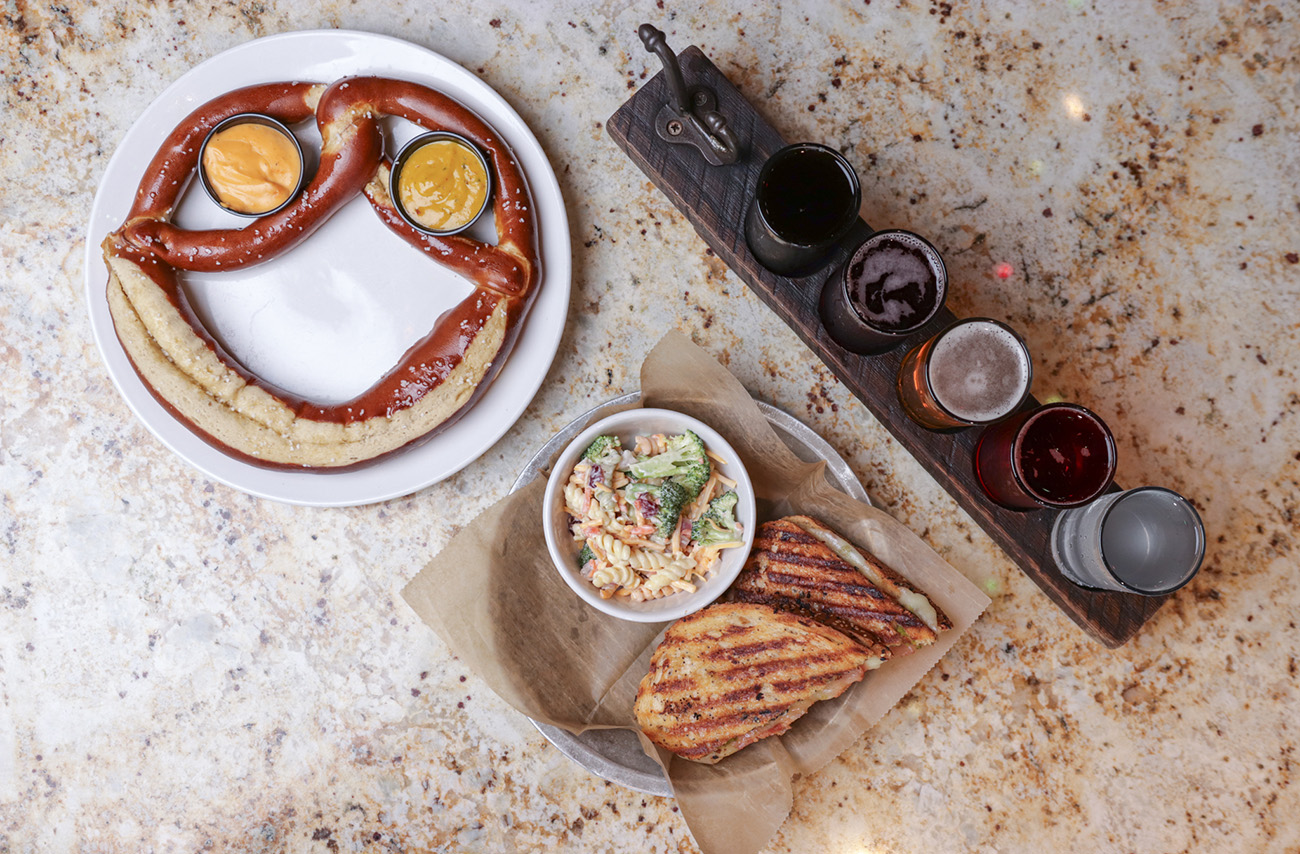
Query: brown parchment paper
(494,597)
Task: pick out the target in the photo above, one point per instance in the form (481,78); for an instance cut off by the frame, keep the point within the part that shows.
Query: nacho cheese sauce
(252,168)
(442,185)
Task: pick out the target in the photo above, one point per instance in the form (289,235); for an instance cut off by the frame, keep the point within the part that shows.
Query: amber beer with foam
(977,371)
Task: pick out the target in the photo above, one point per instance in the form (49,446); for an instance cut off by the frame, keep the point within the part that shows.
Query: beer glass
(1148,540)
(975,372)
(893,284)
(1057,455)
(805,202)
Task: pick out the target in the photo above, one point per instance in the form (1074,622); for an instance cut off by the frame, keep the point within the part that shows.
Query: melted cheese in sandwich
(909,599)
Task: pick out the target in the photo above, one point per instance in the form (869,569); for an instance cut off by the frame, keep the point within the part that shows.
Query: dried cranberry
(595,476)
(646,505)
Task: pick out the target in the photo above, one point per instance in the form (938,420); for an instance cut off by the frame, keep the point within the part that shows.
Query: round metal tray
(616,754)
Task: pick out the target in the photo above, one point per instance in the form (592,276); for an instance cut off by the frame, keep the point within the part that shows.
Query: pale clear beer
(1148,540)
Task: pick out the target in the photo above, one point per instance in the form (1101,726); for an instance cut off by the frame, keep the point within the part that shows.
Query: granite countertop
(185,667)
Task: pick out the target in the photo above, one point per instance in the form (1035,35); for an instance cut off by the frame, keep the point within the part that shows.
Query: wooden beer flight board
(714,199)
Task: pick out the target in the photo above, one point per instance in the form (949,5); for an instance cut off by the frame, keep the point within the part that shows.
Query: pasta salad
(652,518)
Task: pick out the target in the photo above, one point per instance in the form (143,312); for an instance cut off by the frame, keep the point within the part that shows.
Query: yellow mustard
(253,168)
(442,185)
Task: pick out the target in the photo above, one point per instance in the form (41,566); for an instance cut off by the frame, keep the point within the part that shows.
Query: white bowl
(564,549)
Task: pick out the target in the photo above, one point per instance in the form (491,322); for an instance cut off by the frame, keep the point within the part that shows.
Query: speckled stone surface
(185,668)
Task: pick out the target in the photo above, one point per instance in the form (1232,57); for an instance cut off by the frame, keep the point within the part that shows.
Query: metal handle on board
(691,115)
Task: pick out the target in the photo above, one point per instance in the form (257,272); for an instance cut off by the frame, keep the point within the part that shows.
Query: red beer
(1058,455)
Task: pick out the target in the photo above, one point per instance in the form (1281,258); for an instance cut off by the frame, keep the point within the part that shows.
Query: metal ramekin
(400,160)
(258,119)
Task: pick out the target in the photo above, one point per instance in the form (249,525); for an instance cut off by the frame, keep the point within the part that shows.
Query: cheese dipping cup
(251,164)
(440,183)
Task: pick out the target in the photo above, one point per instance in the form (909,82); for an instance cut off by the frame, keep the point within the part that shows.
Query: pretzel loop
(191,374)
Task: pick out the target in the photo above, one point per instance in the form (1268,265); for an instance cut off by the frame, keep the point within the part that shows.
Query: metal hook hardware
(691,115)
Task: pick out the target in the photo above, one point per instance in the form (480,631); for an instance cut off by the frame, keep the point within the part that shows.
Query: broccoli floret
(585,556)
(694,476)
(723,509)
(685,461)
(599,447)
(717,524)
(661,505)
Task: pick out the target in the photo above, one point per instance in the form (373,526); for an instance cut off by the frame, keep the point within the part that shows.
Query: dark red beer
(1058,455)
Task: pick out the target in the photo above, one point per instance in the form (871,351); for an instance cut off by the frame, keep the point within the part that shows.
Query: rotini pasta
(648,561)
(613,574)
(652,519)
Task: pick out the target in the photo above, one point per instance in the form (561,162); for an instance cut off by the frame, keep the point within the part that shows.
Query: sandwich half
(733,673)
(798,565)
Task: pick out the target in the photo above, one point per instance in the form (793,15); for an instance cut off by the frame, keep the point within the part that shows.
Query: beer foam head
(895,281)
(979,371)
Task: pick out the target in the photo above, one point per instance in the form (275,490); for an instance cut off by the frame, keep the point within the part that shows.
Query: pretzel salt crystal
(435,381)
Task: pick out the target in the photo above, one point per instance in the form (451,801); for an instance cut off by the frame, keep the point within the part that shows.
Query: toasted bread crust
(733,673)
(894,582)
(792,570)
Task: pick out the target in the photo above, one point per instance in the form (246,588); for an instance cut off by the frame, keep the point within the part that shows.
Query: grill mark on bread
(756,669)
(735,672)
(836,588)
(793,534)
(793,570)
(849,580)
(803,683)
(748,649)
(800,594)
(880,574)
(868,639)
(723,724)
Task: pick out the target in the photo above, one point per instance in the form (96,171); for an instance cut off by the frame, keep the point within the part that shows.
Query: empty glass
(1148,540)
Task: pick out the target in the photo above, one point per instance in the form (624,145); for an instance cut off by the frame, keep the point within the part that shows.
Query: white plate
(349,301)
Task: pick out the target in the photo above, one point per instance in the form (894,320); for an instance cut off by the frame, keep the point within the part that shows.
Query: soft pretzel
(435,381)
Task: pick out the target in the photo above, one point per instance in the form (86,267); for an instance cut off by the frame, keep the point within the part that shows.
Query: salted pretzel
(192,375)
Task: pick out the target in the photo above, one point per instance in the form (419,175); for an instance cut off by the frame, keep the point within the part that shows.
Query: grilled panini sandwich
(801,566)
(733,673)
